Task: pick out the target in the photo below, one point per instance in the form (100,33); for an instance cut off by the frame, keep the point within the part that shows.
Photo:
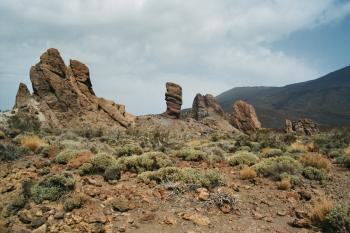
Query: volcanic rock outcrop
(206,105)
(64,95)
(244,117)
(173,98)
(303,127)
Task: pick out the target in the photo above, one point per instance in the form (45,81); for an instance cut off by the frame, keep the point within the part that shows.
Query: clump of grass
(344,160)
(52,187)
(313,173)
(128,150)
(146,162)
(31,142)
(320,210)
(242,158)
(338,219)
(66,155)
(297,147)
(191,176)
(315,160)
(247,173)
(284,184)
(223,199)
(103,161)
(191,154)
(293,179)
(275,167)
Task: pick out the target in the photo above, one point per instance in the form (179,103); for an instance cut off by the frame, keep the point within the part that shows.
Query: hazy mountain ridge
(326,100)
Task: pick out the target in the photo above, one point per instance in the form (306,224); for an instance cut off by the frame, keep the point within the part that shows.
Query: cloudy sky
(133,47)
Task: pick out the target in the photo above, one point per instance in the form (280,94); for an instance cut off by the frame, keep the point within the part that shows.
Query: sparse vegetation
(10,152)
(208,178)
(191,154)
(284,184)
(128,150)
(320,210)
(74,202)
(338,219)
(242,158)
(270,152)
(66,155)
(24,123)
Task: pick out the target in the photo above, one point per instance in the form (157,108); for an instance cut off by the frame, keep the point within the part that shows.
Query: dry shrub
(298,146)
(321,210)
(284,184)
(31,142)
(315,160)
(247,173)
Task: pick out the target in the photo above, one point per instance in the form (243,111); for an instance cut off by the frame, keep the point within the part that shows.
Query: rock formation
(244,117)
(22,97)
(204,106)
(303,126)
(64,95)
(173,98)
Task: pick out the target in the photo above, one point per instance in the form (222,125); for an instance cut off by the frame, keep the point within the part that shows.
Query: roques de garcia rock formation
(302,126)
(63,96)
(173,98)
(204,106)
(244,117)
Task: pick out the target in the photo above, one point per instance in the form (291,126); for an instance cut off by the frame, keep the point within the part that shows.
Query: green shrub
(336,153)
(191,154)
(44,171)
(313,173)
(52,187)
(271,139)
(146,162)
(66,155)
(242,158)
(86,168)
(274,167)
(344,161)
(102,161)
(191,176)
(24,122)
(129,150)
(336,139)
(10,152)
(338,220)
(293,179)
(112,173)
(244,148)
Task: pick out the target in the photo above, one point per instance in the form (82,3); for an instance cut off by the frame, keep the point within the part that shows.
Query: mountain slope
(325,100)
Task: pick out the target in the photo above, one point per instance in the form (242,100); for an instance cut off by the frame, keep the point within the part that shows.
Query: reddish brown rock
(244,117)
(204,106)
(173,98)
(64,96)
(302,127)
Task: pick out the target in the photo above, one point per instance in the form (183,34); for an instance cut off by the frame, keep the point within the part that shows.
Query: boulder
(173,98)
(206,105)
(244,117)
(64,96)
(302,127)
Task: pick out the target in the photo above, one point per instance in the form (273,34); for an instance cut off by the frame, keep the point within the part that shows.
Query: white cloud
(133,47)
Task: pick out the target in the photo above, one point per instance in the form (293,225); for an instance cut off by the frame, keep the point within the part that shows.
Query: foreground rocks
(244,117)
(302,127)
(173,98)
(63,95)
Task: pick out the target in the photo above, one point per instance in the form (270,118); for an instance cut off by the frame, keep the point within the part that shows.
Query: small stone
(24,217)
(302,223)
(120,204)
(170,220)
(148,216)
(37,222)
(281,213)
(258,216)
(42,229)
(226,208)
(196,218)
(203,194)
(59,215)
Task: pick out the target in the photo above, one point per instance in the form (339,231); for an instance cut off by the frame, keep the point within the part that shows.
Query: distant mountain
(325,100)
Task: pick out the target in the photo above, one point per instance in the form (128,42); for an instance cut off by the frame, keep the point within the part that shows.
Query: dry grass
(265,150)
(284,184)
(315,160)
(347,151)
(247,173)
(31,142)
(298,146)
(320,210)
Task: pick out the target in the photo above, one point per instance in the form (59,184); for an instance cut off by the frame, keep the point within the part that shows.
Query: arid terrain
(75,162)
